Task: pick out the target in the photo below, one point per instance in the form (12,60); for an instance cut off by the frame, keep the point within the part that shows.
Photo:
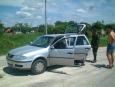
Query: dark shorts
(95,48)
(110,48)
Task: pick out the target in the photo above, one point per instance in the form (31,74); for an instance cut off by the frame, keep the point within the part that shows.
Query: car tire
(38,66)
(83,62)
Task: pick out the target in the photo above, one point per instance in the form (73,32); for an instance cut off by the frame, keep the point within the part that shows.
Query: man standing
(110,46)
(95,44)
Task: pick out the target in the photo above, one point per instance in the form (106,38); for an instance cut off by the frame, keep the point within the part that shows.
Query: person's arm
(110,38)
(98,39)
(114,36)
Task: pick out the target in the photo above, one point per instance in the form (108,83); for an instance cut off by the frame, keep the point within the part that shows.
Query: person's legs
(109,57)
(112,57)
(95,53)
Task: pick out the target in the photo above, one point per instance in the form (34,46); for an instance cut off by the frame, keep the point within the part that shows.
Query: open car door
(62,52)
(82,48)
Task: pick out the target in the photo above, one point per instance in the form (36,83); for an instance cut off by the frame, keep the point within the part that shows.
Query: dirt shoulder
(90,75)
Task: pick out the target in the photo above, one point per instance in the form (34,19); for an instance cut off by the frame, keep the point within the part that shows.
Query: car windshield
(43,41)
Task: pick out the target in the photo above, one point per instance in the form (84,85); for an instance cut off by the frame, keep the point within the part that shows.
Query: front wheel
(38,66)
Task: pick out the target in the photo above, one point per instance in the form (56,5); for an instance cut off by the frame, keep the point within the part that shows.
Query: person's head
(94,32)
(109,28)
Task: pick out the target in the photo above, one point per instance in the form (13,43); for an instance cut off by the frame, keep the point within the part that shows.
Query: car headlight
(18,57)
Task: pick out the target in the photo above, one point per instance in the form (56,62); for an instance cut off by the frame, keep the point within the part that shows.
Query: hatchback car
(48,50)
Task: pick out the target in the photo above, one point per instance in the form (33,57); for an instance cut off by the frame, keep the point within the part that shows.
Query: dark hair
(108,27)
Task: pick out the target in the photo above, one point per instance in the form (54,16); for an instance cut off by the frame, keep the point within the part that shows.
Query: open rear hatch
(79,28)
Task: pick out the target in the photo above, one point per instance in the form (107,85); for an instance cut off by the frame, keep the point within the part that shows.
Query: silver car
(47,50)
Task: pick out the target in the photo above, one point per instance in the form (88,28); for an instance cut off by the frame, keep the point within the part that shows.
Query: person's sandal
(109,67)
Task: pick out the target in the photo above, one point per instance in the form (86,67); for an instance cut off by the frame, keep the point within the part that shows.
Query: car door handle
(69,53)
(87,48)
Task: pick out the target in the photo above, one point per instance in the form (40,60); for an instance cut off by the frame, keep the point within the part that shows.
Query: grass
(8,42)
(103,41)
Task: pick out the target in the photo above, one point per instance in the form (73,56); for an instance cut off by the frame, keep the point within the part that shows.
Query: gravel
(90,75)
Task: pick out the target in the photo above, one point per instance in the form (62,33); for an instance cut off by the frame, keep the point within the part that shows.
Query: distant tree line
(1,27)
(57,27)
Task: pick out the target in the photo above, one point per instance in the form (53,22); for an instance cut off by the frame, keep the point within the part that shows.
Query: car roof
(56,35)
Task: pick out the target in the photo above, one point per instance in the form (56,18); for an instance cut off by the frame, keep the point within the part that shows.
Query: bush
(103,41)
(9,42)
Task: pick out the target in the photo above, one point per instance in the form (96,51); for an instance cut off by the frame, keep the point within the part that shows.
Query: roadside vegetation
(8,42)
(22,33)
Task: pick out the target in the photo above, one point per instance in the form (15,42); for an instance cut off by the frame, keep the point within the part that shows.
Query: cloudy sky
(32,11)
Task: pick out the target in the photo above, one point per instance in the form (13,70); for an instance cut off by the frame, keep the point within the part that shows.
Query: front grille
(11,65)
(18,65)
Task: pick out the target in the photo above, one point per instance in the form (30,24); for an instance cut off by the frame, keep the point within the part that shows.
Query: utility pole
(46,16)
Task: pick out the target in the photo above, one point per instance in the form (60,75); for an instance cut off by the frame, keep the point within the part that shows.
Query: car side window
(56,39)
(71,41)
(60,44)
(81,40)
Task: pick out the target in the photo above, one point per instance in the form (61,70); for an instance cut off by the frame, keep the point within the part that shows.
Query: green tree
(71,23)
(20,27)
(26,28)
(50,29)
(41,28)
(60,27)
(1,27)
(112,25)
(98,26)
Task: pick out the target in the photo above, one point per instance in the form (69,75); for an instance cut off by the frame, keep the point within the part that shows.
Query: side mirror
(52,47)
(30,42)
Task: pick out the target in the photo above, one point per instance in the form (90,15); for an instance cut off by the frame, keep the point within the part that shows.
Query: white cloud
(40,4)
(39,17)
(12,2)
(23,14)
(33,10)
(81,10)
(54,4)
(26,8)
(34,3)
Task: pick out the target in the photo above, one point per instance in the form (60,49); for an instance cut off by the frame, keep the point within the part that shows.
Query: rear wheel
(83,61)
(38,66)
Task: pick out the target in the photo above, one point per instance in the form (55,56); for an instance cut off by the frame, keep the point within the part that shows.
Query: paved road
(90,75)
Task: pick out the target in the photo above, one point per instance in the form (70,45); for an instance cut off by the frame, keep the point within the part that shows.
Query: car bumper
(25,65)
